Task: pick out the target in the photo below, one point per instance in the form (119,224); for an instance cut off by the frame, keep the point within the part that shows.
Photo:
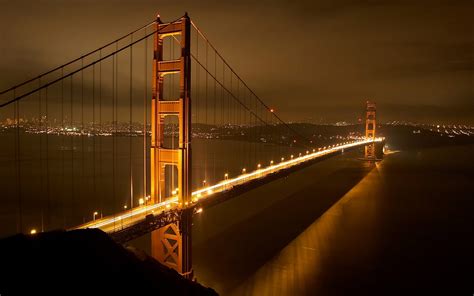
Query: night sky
(313,60)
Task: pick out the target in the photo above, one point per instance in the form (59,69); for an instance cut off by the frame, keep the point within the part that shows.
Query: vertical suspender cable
(214,123)
(63,134)
(145,117)
(40,116)
(171,97)
(18,162)
(48,197)
(197,94)
(130,119)
(94,134)
(114,122)
(205,112)
(116,112)
(222,99)
(82,133)
(101,205)
(72,149)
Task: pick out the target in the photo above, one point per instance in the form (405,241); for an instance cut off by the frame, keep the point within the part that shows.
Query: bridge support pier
(171,244)
(170,165)
(379,150)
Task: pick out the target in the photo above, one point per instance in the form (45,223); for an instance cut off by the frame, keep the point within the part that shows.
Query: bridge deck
(130,218)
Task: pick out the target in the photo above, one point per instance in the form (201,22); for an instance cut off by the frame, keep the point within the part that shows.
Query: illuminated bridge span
(104,141)
(119,223)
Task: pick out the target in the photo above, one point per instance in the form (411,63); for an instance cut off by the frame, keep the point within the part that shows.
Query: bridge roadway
(128,218)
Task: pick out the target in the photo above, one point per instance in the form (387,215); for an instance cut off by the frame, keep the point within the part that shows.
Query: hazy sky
(312,60)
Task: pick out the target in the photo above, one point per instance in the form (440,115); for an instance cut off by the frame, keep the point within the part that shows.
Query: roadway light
(291,156)
(125,207)
(141,201)
(258,166)
(226,177)
(33,231)
(314,150)
(243,171)
(282,159)
(203,183)
(271,110)
(307,151)
(93,215)
(271,162)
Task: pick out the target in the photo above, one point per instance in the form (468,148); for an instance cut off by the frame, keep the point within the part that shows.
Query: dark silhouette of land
(86,262)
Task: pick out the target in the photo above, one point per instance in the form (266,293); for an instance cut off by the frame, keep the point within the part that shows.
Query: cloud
(325,57)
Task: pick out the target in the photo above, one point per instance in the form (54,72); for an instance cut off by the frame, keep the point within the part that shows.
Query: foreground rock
(84,262)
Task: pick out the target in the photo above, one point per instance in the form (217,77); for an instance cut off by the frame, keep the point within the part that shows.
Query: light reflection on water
(232,240)
(404,224)
(296,270)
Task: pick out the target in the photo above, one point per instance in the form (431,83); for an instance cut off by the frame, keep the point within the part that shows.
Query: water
(65,179)
(344,227)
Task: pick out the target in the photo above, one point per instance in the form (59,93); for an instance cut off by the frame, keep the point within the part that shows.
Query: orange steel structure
(370,125)
(171,244)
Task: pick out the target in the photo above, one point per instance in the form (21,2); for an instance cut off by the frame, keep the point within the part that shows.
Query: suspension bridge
(105,140)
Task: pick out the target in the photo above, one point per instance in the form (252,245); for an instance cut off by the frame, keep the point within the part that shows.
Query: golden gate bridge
(109,136)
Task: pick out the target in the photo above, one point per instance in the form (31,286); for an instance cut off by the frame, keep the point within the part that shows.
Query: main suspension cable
(256,96)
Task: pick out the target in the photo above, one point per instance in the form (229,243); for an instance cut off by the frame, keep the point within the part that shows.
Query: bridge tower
(171,244)
(370,125)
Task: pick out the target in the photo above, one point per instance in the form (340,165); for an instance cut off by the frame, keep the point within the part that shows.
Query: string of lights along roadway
(137,214)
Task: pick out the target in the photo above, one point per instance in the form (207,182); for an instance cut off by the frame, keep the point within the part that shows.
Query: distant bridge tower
(171,245)
(370,124)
